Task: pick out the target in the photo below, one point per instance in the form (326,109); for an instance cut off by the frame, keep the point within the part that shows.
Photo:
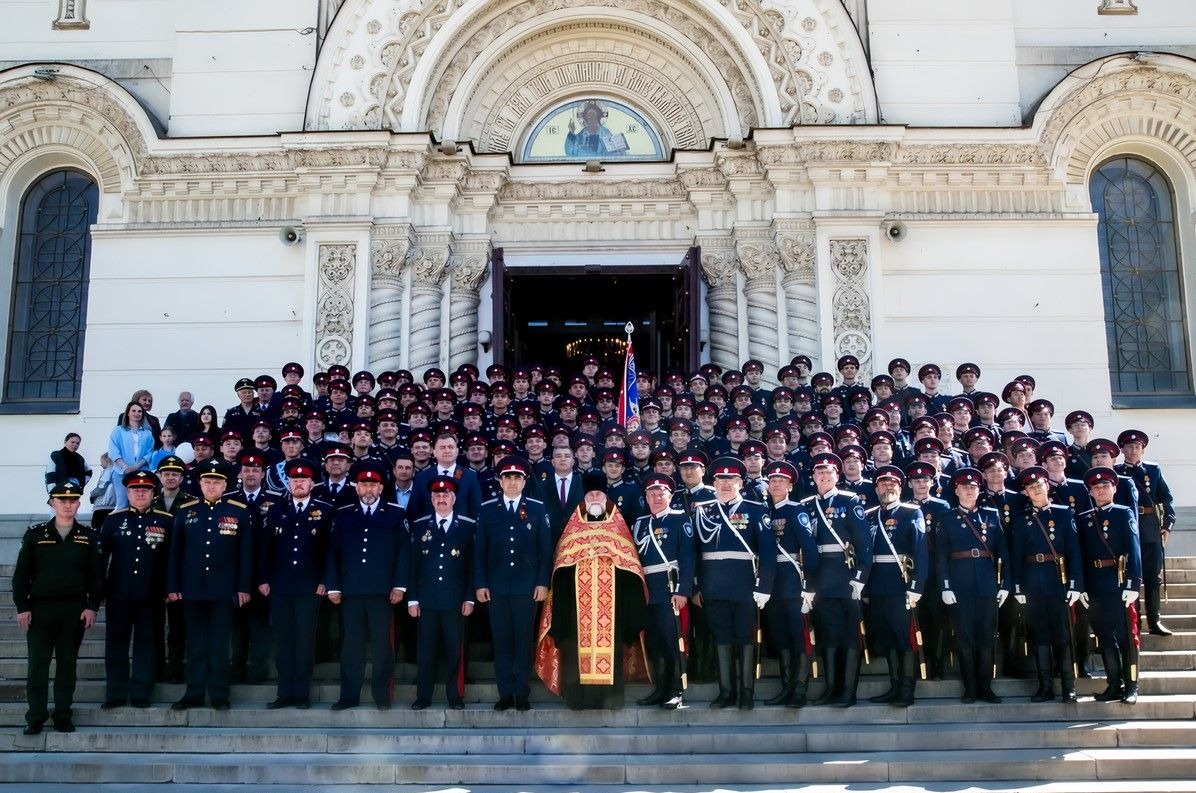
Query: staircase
(937,744)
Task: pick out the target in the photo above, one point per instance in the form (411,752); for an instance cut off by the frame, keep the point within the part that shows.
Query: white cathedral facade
(1010,182)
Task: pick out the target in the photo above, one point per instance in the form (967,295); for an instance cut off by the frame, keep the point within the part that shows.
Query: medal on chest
(228,526)
(154,536)
(738,522)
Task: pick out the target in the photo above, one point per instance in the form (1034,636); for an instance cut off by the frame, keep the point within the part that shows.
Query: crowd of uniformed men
(938,531)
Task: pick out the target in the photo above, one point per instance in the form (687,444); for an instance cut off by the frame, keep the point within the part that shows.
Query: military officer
(1047,579)
(135,546)
(692,465)
(251,625)
(973,573)
(56,586)
(367,572)
(1156,518)
(290,572)
(845,548)
(1112,577)
(665,541)
(738,563)
(512,566)
(171,632)
(440,596)
(797,564)
(900,567)
(211,572)
(932,613)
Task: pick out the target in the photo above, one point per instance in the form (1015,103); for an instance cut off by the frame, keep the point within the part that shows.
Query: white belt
(659,568)
(886,558)
(715,556)
(782,558)
(833,547)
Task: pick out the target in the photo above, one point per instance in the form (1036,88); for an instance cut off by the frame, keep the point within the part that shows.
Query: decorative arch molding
(383,62)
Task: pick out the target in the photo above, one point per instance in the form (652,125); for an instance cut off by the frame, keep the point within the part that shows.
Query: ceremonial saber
(811,647)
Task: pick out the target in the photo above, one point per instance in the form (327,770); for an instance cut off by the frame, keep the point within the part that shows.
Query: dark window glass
(1142,280)
(49,304)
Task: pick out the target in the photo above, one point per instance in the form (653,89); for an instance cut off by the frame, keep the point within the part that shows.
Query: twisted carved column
(797,250)
(759,259)
(719,267)
(388,258)
(468,267)
(428,263)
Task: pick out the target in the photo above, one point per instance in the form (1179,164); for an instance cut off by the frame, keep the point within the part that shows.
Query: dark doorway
(558,316)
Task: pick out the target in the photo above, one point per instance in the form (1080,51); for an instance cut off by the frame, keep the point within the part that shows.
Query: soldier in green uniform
(57,586)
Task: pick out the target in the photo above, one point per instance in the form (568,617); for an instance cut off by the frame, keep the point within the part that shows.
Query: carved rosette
(759,259)
(388,259)
(468,267)
(334,304)
(851,306)
(720,263)
(428,262)
(797,253)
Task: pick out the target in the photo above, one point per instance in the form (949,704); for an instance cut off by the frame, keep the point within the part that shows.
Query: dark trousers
(294,621)
(512,625)
(209,623)
(172,639)
(55,631)
(660,634)
(889,624)
(1107,612)
(732,621)
(974,619)
(362,616)
(838,622)
(786,625)
(440,635)
(1152,578)
(1047,618)
(251,638)
(133,621)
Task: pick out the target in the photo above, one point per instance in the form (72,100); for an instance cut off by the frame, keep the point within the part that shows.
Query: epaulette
(118,511)
(466,518)
(275,493)
(807,500)
(676,511)
(1085,513)
(870,510)
(491,501)
(421,520)
(190,503)
(320,501)
(162,512)
(240,504)
(346,506)
(535,501)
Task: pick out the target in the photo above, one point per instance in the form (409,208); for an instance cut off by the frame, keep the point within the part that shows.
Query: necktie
(336,489)
(511,507)
(564,495)
(443,525)
(444,472)
(298,507)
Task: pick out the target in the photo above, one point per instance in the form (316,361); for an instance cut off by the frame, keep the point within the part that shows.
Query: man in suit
(561,491)
(469,488)
(184,421)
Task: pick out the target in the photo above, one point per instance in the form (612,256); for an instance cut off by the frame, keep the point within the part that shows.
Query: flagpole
(629,408)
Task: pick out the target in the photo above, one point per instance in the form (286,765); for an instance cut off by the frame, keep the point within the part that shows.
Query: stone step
(1004,786)
(585,769)
(1167,660)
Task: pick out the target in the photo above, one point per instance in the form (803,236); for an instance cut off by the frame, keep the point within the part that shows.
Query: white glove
(857,589)
(760,598)
(1020,598)
(807,602)
(911,600)
(1002,596)
(1073,597)
(949,597)
(1084,599)
(1128,596)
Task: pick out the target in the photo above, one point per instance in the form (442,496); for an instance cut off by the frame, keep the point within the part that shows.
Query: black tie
(511,507)
(443,527)
(298,507)
(336,489)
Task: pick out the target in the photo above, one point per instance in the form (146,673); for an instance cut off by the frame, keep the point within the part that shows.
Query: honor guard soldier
(797,563)
(932,613)
(56,586)
(973,573)
(366,574)
(512,566)
(440,595)
(845,550)
(900,567)
(665,541)
(693,492)
(1047,579)
(738,563)
(627,494)
(211,572)
(290,572)
(134,544)
(1156,518)
(1112,576)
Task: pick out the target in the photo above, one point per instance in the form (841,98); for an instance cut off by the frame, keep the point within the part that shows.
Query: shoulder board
(346,507)
(424,519)
(706,503)
(676,512)
(491,501)
(118,511)
(190,503)
(466,519)
(870,510)
(275,493)
(807,500)
(534,501)
(324,504)
(162,512)
(235,503)
(1086,513)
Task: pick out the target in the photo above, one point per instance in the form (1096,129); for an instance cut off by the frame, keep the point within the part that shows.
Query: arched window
(49,295)
(1145,323)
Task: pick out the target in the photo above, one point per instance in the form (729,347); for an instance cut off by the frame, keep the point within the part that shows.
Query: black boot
(894,679)
(658,692)
(800,675)
(1046,686)
(909,680)
(1129,686)
(1113,690)
(672,692)
(833,685)
(1067,673)
(787,681)
(984,677)
(967,674)
(851,678)
(726,684)
(747,677)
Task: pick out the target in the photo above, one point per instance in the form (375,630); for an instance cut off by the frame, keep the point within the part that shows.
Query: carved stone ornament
(641,189)
(428,264)
(759,259)
(797,251)
(388,256)
(334,304)
(851,306)
(72,15)
(1117,7)
(469,270)
(719,264)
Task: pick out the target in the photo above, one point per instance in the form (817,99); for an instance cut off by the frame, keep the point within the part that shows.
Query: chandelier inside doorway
(603,348)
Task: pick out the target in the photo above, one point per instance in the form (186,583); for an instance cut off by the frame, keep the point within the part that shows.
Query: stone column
(719,267)
(334,304)
(428,262)
(468,266)
(851,306)
(388,259)
(797,247)
(759,259)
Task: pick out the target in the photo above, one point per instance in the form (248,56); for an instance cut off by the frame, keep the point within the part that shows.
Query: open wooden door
(504,325)
(685,346)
